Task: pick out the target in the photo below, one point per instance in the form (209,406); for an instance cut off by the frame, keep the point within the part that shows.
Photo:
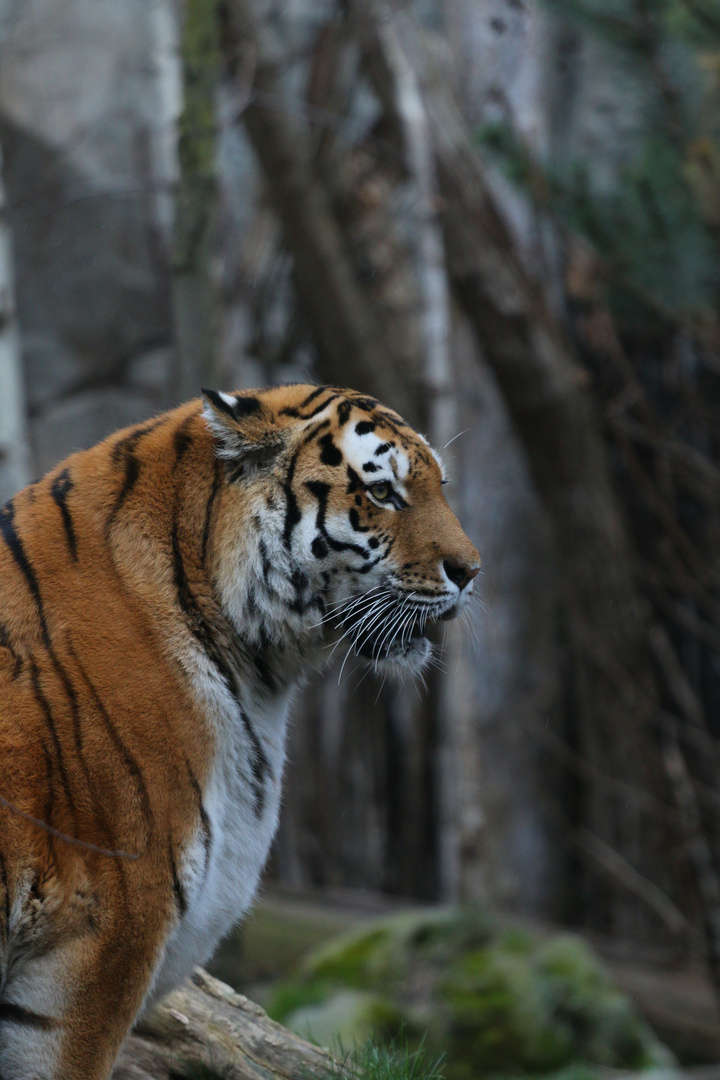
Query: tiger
(162,597)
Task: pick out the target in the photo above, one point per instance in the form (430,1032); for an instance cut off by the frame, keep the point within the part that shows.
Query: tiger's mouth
(403,641)
(375,647)
(389,630)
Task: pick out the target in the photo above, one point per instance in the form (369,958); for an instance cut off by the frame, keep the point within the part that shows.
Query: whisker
(363,628)
(389,631)
(454,438)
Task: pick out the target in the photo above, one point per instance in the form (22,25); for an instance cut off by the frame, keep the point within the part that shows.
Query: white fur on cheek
(360,450)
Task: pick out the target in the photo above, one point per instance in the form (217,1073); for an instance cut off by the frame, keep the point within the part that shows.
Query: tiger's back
(161,596)
(103,743)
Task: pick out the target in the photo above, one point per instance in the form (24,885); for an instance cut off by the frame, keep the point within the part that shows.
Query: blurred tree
(14,449)
(195,284)
(325,196)
(637,218)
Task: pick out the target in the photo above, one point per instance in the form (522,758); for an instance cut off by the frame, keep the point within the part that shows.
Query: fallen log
(205,1029)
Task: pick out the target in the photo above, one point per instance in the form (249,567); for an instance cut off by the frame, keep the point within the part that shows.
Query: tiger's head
(351,534)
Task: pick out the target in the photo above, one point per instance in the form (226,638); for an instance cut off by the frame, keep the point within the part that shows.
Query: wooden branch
(205,1029)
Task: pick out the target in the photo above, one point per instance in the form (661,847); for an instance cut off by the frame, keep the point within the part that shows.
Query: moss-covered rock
(494,1001)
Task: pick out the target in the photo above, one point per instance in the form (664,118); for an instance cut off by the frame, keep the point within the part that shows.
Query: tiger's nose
(461,574)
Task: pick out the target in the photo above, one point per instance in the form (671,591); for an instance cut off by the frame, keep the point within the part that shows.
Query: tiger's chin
(408,657)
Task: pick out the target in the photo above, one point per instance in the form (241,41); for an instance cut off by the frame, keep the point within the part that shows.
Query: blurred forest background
(502,217)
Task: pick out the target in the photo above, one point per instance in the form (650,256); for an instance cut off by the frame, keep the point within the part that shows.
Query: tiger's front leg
(65,1012)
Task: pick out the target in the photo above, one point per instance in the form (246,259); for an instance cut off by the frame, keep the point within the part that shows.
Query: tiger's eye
(381,491)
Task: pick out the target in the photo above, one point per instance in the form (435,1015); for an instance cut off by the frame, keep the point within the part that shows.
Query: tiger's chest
(221,866)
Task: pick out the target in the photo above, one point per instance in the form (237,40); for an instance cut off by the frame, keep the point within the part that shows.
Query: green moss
(359,962)
(495,1001)
(537,1007)
(289,996)
(350,1017)
(379,954)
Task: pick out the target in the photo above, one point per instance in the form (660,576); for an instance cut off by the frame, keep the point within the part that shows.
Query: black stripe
(127,756)
(12,539)
(45,709)
(204,819)
(104,823)
(78,737)
(308,416)
(132,472)
(292,510)
(177,886)
(364,401)
(17,550)
(16,1014)
(355,521)
(6,889)
(374,562)
(14,543)
(235,470)
(62,485)
(246,405)
(311,397)
(183,439)
(202,631)
(124,452)
(330,454)
(314,430)
(6,643)
(266,564)
(209,509)
(396,423)
(321,492)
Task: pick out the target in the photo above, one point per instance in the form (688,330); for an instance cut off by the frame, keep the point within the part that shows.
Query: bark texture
(604,619)
(206,1029)
(346,330)
(14,450)
(195,300)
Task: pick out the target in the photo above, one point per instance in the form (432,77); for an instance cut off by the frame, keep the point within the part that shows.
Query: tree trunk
(205,1029)
(605,620)
(14,448)
(451,696)
(195,299)
(352,348)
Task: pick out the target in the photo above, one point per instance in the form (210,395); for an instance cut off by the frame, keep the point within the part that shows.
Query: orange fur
(109,567)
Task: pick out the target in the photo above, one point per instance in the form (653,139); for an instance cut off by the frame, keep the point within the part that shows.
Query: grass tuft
(375,1061)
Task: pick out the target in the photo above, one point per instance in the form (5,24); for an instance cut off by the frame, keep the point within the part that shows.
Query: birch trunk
(459,767)
(609,678)
(15,461)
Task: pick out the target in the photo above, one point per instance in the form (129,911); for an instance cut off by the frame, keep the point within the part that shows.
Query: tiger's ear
(246,432)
